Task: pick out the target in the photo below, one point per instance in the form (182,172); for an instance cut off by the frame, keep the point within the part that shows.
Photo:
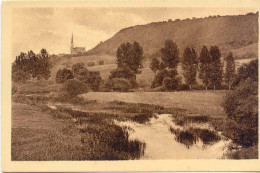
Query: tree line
(30,66)
(207,64)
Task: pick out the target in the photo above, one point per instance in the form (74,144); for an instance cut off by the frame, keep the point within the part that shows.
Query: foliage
(94,80)
(216,66)
(170,54)
(190,65)
(246,71)
(155,65)
(74,87)
(241,105)
(118,84)
(80,72)
(63,75)
(101,62)
(31,66)
(91,64)
(230,69)
(124,72)
(204,66)
(130,55)
(167,78)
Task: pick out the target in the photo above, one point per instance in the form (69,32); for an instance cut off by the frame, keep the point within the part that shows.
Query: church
(76,50)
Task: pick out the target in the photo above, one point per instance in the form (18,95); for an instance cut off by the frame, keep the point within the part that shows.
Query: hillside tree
(155,65)
(190,66)
(130,55)
(170,54)
(216,75)
(229,70)
(204,66)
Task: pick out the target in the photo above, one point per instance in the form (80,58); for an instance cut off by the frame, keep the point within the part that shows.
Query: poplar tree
(204,66)
(230,70)
(216,75)
(189,66)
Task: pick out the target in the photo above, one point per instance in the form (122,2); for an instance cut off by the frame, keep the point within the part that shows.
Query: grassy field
(198,102)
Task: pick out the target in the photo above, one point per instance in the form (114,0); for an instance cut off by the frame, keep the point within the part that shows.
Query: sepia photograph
(133,83)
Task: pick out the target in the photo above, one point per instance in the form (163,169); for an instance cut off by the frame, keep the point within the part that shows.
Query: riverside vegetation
(54,118)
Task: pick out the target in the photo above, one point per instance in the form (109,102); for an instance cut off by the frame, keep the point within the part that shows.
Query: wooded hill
(238,34)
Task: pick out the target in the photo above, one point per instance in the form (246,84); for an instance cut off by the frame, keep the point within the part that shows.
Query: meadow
(49,126)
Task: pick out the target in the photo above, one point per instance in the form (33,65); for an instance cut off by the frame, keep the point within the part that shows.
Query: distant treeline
(30,65)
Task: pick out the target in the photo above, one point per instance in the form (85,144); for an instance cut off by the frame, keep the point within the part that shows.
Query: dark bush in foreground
(241,105)
(118,84)
(63,75)
(74,87)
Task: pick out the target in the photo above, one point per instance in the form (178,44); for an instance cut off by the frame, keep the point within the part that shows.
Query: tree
(168,68)
(74,87)
(204,66)
(130,55)
(63,75)
(155,65)
(246,71)
(189,66)
(230,70)
(124,72)
(170,54)
(118,84)
(216,67)
(32,66)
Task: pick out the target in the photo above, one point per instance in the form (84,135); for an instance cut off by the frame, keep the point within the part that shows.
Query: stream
(165,139)
(161,143)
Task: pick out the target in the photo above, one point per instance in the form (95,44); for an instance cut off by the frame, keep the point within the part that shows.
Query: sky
(51,28)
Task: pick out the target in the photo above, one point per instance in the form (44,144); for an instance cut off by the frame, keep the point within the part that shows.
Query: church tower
(72,45)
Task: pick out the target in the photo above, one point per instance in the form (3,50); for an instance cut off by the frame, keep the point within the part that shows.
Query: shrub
(20,76)
(126,73)
(74,87)
(118,84)
(78,68)
(94,80)
(241,105)
(101,62)
(80,72)
(158,80)
(91,64)
(63,75)
(171,84)
(183,87)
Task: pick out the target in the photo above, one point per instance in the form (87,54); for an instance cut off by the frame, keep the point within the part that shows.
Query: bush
(124,72)
(94,80)
(241,105)
(78,68)
(158,80)
(101,62)
(183,87)
(91,64)
(80,72)
(118,84)
(20,76)
(171,84)
(74,87)
(63,75)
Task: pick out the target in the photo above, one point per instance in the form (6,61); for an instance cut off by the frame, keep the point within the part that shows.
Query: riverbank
(100,137)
